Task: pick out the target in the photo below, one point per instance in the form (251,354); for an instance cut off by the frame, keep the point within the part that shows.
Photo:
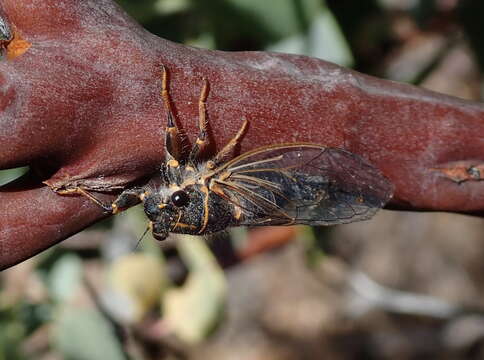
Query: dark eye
(179,198)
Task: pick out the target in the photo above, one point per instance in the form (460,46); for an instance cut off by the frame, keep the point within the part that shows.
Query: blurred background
(402,286)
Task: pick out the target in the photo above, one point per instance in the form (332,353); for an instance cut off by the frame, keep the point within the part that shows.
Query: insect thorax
(201,213)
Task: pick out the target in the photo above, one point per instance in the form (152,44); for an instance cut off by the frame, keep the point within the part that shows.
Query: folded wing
(303,184)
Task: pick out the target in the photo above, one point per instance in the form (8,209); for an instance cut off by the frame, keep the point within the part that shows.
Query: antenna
(143,235)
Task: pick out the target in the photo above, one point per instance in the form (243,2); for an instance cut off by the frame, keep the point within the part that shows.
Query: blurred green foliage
(304,27)
(8,175)
(471,13)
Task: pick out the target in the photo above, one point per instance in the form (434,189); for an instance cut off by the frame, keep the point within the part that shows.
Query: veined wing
(302,184)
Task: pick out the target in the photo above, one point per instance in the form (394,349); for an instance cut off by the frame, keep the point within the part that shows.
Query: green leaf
(131,293)
(323,39)
(84,334)
(65,277)
(193,310)
(168,7)
(8,175)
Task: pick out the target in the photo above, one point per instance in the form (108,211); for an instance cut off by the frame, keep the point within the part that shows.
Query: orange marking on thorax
(183,225)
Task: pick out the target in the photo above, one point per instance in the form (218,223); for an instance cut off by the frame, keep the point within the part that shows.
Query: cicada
(285,184)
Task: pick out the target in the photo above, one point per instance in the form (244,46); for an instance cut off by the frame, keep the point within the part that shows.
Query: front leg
(126,199)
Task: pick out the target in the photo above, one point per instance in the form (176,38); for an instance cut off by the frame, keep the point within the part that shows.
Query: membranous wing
(302,184)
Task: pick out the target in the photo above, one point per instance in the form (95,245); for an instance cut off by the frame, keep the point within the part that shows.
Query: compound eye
(179,198)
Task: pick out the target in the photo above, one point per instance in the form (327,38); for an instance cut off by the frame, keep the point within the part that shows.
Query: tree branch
(80,104)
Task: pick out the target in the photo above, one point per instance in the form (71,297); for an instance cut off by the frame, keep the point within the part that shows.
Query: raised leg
(173,142)
(229,147)
(202,139)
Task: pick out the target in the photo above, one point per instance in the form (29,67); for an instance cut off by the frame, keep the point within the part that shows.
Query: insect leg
(231,144)
(128,198)
(202,139)
(173,142)
(83,192)
(125,200)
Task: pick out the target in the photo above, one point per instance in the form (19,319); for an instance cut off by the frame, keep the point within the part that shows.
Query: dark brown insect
(284,184)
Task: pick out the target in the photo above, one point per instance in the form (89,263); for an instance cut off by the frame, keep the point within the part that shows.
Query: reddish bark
(263,239)
(80,104)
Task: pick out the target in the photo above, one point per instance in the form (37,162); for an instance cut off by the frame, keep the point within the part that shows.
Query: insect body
(286,184)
